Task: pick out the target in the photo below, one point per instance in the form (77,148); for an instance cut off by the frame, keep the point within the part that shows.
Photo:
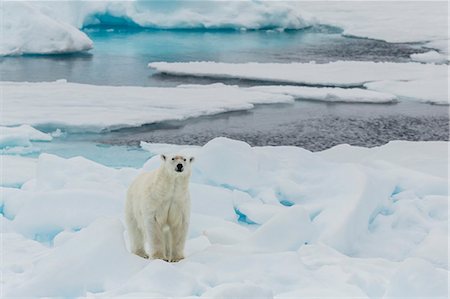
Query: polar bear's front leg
(179,235)
(136,238)
(157,244)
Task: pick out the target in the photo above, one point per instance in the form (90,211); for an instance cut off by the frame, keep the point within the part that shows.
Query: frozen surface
(85,107)
(27,30)
(429,79)
(267,222)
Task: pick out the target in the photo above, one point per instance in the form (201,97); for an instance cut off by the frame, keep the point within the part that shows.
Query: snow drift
(266,222)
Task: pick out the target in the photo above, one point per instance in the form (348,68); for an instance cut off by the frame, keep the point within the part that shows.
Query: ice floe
(422,82)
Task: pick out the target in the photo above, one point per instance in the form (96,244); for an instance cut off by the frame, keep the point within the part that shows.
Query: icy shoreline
(277,222)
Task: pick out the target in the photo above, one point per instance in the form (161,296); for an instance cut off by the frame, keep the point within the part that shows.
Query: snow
(94,108)
(430,57)
(422,82)
(368,223)
(26,30)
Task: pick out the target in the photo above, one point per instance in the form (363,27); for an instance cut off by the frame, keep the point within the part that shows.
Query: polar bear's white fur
(157,209)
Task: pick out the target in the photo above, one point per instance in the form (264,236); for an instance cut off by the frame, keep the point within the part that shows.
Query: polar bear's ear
(191,159)
(163,157)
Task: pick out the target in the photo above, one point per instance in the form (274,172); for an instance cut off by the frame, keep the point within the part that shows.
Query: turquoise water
(121,54)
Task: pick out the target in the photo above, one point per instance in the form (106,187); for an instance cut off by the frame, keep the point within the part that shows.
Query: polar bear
(157,209)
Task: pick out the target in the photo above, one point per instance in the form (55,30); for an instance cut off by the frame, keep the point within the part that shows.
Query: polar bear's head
(177,164)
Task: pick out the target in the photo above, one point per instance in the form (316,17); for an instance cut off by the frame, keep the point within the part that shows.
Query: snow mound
(426,78)
(94,108)
(277,222)
(26,30)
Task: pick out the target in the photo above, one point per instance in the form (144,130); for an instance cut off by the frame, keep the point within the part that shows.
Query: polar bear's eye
(173,159)
(184,159)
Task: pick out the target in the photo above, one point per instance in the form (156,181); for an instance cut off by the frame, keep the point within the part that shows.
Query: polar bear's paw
(158,256)
(176,259)
(142,254)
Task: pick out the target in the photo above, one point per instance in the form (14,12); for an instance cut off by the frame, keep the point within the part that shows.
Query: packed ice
(267,222)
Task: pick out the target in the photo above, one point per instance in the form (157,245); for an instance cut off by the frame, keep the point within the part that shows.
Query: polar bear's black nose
(179,167)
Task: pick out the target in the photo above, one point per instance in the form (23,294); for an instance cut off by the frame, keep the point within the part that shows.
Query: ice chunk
(21,136)
(26,30)
(288,230)
(237,166)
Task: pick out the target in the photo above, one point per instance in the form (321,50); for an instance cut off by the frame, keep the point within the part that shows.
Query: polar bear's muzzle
(179,167)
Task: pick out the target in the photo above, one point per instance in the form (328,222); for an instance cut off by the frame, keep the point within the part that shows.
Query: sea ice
(94,108)
(360,222)
(422,82)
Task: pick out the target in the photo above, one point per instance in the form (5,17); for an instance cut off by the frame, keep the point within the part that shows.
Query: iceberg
(27,30)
